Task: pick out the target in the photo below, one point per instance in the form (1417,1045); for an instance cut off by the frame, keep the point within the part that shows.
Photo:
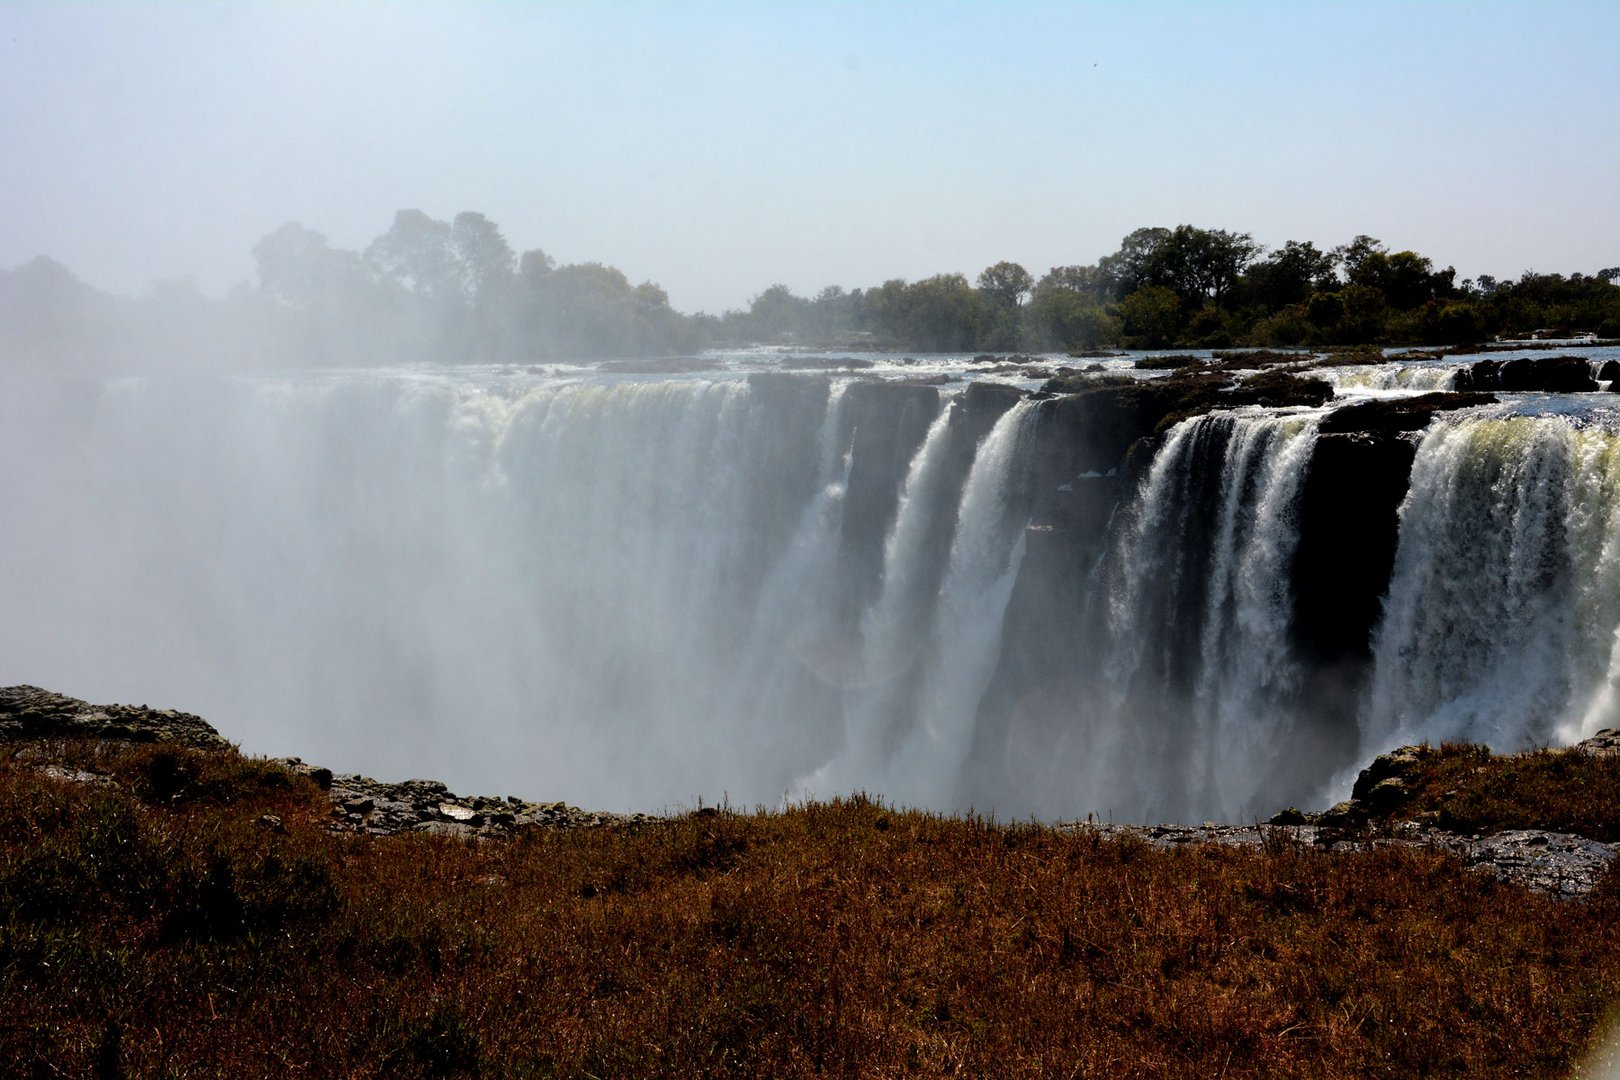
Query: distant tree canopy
(1189,287)
(436,290)
(456,291)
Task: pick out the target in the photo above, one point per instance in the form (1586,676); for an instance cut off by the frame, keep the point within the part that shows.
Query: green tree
(415,254)
(1005,284)
(297,267)
(943,312)
(483,257)
(1065,317)
(1197,264)
(1152,316)
(1138,261)
(777,314)
(1288,275)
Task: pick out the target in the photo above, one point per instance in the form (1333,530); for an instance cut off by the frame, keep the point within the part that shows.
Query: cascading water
(1391,377)
(966,619)
(628,593)
(1502,610)
(636,592)
(1202,675)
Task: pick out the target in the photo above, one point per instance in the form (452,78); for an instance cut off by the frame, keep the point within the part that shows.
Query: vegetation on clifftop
(456,292)
(168,911)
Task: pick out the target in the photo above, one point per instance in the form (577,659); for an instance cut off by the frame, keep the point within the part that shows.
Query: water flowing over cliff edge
(1148,598)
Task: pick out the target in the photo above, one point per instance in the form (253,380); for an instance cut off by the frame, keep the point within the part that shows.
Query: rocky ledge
(28,713)
(1561,864)
(359,803)
(1382,810)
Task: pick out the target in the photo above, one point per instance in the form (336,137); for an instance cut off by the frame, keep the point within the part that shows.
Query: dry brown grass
(162,927)
(1466,789)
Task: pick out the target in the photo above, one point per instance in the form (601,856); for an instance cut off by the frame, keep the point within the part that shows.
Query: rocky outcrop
(29,713)
(1558,374)
(1556,863)
(361,804)
(1387,416)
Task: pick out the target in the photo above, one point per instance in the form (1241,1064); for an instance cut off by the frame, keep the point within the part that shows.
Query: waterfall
(636,592)
(624,592)
(1424,377)
(984,560)
(1202,677)
(1500,621)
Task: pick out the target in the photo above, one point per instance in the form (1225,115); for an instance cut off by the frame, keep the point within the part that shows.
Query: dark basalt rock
(1390,415)
(1279,389)
(1166,363)
(1103,418)
(1602,744)
(1348,529)
(1559,864)
(1555,374)
(359,803)
(886,424)
(1249,359)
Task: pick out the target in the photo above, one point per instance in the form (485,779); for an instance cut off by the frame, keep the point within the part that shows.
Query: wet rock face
(1349,526)
(27,712)
(1386,416)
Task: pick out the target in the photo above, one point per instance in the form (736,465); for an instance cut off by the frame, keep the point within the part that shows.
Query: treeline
(456,291)
(425,290)
(430,289)
(1192,287)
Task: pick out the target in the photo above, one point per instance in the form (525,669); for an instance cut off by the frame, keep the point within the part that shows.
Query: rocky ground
(1560,864)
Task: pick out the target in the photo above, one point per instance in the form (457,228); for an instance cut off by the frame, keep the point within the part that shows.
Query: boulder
(1390,774)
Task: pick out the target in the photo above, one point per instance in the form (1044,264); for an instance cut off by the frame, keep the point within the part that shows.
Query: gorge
(1145,596)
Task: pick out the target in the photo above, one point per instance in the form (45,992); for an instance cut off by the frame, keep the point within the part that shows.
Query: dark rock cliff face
(887,423)
(1348,527)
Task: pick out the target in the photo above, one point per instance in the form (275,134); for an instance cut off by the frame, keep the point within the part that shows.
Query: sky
(720,148)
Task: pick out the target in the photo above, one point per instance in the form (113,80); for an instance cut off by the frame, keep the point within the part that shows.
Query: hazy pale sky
(719,148)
